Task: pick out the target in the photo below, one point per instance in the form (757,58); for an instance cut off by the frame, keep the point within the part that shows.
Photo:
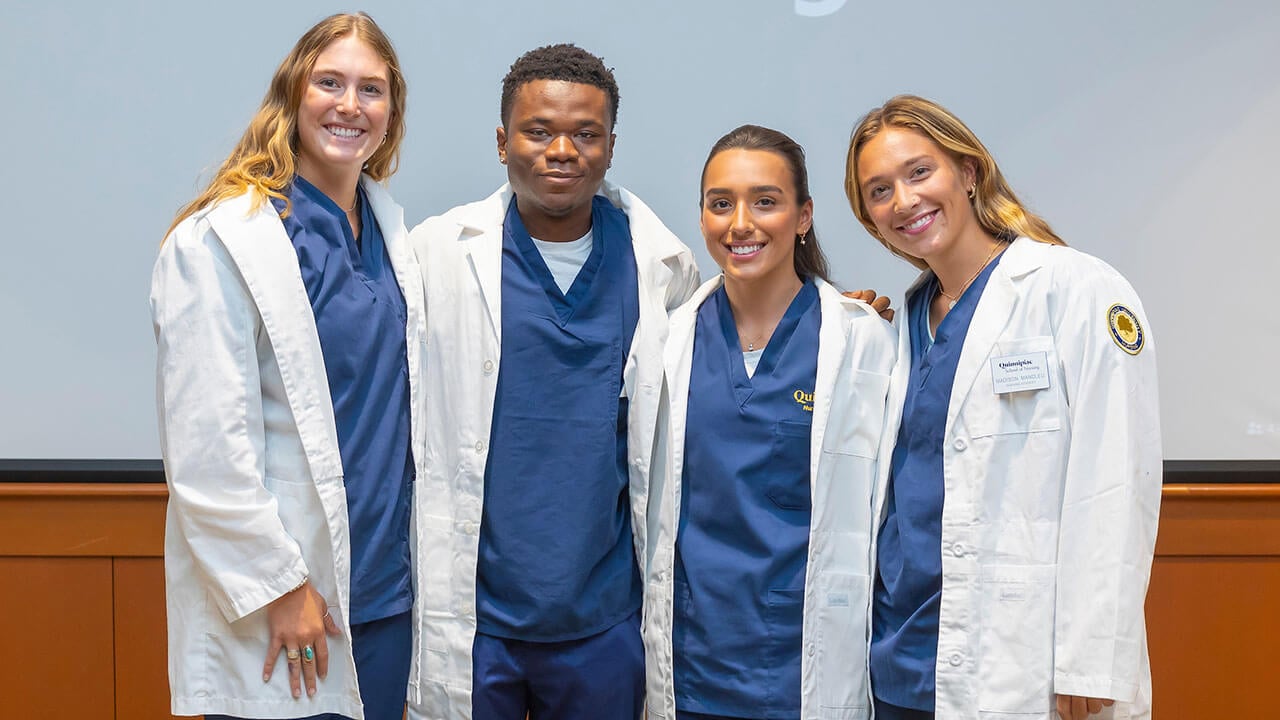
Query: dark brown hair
(810,262)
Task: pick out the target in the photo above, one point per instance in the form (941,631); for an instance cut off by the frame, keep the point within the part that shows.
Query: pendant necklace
(953,299)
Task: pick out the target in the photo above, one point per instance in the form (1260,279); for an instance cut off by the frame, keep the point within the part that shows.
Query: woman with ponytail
(760,500)
(288,310)
(1016,520)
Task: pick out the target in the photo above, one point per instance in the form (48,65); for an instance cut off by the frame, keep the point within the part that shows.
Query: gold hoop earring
(973,190)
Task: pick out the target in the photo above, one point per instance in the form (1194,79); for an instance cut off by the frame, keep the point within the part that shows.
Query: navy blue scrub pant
(596,678)
(383,649)
(885,711)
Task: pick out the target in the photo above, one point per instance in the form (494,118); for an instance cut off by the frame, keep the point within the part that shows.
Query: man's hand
(880,304)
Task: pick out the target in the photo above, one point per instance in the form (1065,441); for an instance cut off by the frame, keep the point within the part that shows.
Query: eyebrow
(907,163)
(754,189)
(331,71)
(587,122)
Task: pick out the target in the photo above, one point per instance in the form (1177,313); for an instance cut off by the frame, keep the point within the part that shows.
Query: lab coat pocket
(839,646)
(788,485)
(857,415)
(1015,668)
(1023,411)
(252,626)
(301,514)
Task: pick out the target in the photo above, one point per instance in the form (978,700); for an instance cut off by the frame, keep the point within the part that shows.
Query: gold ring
(292,655)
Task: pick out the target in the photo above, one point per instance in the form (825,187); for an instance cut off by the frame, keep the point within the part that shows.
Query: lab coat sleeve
(1111,492)
(211,425)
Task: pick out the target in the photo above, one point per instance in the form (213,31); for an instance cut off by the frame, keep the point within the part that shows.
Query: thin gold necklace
(956,298)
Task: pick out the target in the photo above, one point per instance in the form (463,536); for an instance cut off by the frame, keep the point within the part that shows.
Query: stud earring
(973,190)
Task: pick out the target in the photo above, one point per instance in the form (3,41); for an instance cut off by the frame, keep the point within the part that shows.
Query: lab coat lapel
(833,339)
(897,396)
(997,304)
(263,253)
(481,231)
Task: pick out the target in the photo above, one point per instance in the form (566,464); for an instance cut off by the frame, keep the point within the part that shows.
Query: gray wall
(1145,132)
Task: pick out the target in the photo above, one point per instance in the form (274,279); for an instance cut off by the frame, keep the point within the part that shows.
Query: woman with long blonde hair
(288,310)
(1016,522)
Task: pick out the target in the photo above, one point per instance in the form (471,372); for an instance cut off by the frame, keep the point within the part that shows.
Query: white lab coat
(256,496)
(460,254)
(1051,496)
(856,352)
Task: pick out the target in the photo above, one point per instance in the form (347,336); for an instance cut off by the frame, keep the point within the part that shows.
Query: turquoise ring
(308,655)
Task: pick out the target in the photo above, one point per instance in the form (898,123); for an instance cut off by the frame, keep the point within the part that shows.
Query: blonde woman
(1017,520)
(287,311)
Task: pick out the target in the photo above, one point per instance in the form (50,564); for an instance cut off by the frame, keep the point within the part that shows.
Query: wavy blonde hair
(997,208)
(265,158)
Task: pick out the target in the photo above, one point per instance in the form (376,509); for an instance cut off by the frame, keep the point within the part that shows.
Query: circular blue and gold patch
(1125,329)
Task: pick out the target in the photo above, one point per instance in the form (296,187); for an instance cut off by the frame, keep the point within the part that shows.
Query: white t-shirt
(751,358)
(565,259)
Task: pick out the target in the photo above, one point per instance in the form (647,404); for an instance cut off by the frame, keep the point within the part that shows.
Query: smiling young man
(548,307)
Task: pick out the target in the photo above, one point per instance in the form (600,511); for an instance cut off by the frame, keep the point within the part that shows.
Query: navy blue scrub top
(556,558)
(744,519)
(908,589)
(360,318)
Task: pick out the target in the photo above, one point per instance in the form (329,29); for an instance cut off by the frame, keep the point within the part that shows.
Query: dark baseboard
(152,471)
(81,471)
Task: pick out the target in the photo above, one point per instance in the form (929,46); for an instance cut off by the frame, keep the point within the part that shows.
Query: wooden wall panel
(82,519)
(1213,608)
(142,681)
(56,652)
(1212,624)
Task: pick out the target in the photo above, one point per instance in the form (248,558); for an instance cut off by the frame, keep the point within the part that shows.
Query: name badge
(1015,373)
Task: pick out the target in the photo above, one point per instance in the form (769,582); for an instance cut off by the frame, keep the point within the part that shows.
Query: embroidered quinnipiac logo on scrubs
(1125,329)
(804,400)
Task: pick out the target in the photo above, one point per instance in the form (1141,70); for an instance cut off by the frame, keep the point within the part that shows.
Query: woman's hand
(298,622)
(1075,707)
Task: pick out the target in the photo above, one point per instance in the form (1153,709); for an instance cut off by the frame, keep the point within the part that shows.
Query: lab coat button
(488,367)
(957,550)
(469,528)
(955,660)
(479,446)
(960,445)
(812,649)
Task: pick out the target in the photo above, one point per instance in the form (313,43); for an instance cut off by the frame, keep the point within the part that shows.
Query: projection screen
(1146,133)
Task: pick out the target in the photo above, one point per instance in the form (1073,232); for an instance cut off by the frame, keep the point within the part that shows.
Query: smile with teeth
(745,249)
(921,222)
(343,132)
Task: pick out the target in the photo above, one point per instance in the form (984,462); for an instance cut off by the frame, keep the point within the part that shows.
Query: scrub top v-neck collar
(742,382)
(563,304)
